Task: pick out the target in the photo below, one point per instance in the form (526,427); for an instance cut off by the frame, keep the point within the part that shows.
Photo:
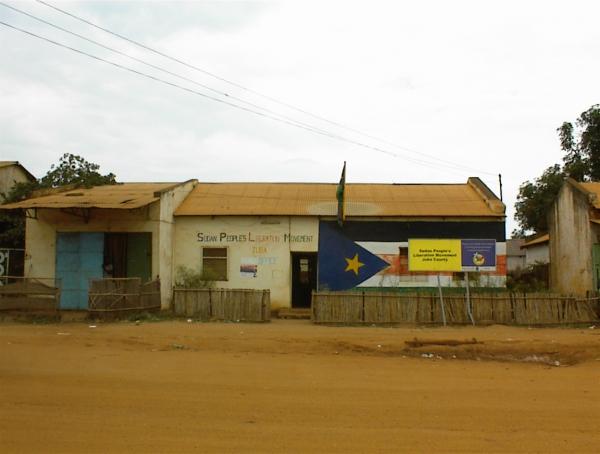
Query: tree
(535,200)
(581,162)
(582,146)
(74,170)
(71,170)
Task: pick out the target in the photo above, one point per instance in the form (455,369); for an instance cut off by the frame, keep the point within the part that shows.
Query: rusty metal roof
(319,199)
(115,196)
(536,241)
(593,188)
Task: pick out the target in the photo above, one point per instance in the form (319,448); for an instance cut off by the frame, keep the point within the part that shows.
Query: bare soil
(290,386)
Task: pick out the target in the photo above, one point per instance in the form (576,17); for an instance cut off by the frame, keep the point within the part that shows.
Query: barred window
(214,263)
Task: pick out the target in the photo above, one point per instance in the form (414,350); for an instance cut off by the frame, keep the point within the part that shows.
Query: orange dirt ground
(290,386)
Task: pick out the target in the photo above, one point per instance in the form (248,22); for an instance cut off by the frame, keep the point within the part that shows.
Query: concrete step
(294,313)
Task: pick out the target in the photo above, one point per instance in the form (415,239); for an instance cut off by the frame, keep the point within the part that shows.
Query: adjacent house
(12,254)
(515,256)
(12,172)
(537,250)
(120,230)
(574,228)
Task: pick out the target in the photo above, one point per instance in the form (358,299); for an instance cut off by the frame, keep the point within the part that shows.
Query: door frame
(313,274)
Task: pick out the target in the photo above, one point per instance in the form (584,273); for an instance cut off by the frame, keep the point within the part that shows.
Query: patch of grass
(159,316)
(37,318)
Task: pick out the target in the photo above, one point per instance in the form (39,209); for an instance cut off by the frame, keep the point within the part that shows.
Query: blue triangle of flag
(343,264)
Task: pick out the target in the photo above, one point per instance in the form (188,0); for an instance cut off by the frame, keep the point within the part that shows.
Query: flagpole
(341,197)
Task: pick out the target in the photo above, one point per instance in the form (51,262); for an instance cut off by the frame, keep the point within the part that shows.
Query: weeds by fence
(503,308)
(223,304)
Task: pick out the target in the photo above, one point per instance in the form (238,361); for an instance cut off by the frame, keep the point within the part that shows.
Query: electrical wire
(249,90)
(166,71)
(189,90)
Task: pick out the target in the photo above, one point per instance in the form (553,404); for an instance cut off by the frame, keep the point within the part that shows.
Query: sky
(404,92)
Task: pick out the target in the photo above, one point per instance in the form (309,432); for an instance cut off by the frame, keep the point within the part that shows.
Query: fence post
(362,315)
(441,299)
(469,311)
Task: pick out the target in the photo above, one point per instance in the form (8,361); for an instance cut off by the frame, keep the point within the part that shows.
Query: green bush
(534,278)
(189,278)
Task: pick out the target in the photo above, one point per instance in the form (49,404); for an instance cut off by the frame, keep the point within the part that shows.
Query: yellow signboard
(434,255)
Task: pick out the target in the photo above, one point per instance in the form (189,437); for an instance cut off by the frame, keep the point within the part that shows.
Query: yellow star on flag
(353,264)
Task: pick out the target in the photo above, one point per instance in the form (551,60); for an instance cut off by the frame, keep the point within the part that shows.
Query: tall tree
(74,170)
(581,162)
(582,145)
(71,170)
(535,199)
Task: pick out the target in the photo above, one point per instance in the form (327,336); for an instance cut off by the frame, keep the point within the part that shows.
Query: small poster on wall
(249,267)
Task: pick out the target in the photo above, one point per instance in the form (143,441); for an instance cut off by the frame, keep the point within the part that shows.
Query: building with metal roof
(472,199)
(272,235)
(119,231)
(276,236)
(119,196)
(537,249)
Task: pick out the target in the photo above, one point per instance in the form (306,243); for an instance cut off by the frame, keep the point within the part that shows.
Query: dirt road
(289,386)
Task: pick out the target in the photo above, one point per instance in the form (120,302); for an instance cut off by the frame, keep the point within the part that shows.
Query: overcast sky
(454,89)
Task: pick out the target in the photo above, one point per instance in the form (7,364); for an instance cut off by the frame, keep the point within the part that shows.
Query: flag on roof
(341,195)
(343,264)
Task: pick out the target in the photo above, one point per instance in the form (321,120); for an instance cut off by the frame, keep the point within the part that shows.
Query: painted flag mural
(343,264)
(481,246)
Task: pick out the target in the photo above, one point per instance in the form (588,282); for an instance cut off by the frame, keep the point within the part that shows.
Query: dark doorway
(304,278)
(128,255)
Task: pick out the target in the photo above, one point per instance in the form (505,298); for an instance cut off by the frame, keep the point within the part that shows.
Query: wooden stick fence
(415,308)
(123,295)
(223,304)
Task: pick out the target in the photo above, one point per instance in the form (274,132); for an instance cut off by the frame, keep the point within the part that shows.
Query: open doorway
(304,278)
(128,255)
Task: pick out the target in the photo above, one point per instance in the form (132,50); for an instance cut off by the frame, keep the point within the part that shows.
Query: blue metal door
(79,258)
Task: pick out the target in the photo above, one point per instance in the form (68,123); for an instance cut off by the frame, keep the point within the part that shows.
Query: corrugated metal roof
(594,188)
(539,240)
(115,196)
(312,199)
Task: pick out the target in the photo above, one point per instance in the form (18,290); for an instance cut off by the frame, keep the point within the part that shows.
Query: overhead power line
(254,92)
(204,95)
(164,70)
(307,126)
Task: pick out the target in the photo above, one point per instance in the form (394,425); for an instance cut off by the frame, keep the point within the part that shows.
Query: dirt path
(289,386)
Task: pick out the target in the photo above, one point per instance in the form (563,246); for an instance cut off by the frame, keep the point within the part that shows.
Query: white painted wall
(169,201)
(538,253)
(268,240)
(264,239)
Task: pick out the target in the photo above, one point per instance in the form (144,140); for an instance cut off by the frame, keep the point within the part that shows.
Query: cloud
(483,85)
